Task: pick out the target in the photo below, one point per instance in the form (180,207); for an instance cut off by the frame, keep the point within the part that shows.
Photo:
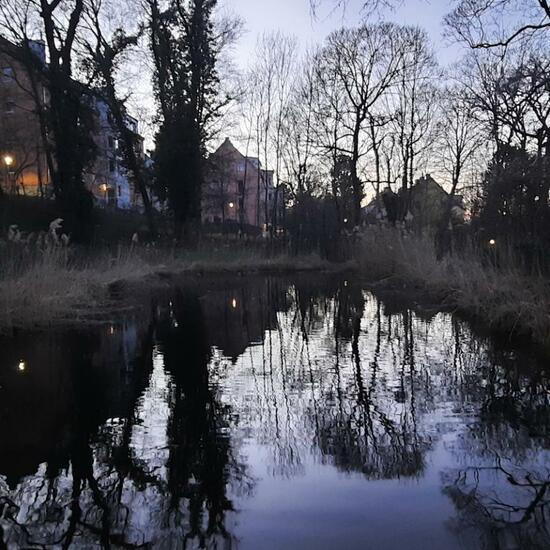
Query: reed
(56,284)
(500,294)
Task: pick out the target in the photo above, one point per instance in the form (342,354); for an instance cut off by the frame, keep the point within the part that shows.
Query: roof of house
(228,149)
(427,183)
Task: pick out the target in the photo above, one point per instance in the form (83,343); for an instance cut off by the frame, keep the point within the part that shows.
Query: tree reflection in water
(148,432)
(143,453)
(502,487)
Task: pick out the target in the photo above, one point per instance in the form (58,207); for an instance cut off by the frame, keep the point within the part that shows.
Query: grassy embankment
(64,285)
(503,298)
(45,285)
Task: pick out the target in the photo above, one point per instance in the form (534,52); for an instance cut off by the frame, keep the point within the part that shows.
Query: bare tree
(414,103)
(460,134)
(498,23)
(367,62)
(104,57)
(269,85)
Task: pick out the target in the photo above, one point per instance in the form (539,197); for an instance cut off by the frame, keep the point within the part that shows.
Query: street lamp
(8,161)
(104,187)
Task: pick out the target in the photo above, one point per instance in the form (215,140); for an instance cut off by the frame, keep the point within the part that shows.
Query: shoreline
(503,299)
(56,291)
(51,294)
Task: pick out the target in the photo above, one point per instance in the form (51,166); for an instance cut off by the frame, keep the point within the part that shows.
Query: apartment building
(238,190)
(23,161)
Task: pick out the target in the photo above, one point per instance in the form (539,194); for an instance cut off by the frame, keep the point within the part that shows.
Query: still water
(273,414)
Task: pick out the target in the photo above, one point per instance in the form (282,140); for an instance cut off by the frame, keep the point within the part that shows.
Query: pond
(271,413)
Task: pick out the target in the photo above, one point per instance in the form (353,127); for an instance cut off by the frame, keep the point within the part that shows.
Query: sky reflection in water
(266,413)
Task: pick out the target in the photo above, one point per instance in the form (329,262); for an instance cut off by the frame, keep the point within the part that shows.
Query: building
(239,191)
(108,180)
(23,166)
(23,161)
(423,206)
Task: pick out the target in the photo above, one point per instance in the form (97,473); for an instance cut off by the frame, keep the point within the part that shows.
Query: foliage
(185,52)
(512,206)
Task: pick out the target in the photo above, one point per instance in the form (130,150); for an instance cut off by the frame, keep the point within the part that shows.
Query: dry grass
(45,287)
(504,298)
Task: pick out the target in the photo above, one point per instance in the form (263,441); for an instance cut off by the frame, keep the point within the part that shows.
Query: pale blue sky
(294,17)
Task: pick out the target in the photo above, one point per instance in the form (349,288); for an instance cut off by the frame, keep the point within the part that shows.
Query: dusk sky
(294,17)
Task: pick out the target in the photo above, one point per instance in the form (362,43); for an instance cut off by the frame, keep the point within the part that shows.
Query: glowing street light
(231,204)
(104,187)
(492,242)
(234,303)
(8,161)
(22,366)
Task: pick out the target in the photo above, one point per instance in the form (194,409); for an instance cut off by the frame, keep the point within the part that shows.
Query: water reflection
(239,413)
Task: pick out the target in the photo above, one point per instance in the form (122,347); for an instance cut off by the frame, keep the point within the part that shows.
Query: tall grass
(41,286)
(497,292)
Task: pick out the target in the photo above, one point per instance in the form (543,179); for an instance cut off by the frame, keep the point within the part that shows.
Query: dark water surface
(271,414)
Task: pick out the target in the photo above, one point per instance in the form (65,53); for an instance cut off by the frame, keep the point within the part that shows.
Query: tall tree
(104,57)
(414,103)
(185,49)
(366,62)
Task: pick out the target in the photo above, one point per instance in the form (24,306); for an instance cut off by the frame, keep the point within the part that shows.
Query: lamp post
(8,161)
(104,187)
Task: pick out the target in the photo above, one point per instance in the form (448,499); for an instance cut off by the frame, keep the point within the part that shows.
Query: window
(9,107)
(119,191)
(7,74)
(111,142)
(240,184)
(112,165)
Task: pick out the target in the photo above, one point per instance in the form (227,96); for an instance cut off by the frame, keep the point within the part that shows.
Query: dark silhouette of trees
(498,23)
(365,62)
(103,60)
(185,50)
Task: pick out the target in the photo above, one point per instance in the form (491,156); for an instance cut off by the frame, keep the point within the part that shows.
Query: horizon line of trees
(367,111)
(370,109)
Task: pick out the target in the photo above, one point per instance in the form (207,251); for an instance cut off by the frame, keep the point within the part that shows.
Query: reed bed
(41,287)
(498,293)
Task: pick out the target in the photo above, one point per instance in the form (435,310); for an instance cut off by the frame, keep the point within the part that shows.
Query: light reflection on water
(273,414)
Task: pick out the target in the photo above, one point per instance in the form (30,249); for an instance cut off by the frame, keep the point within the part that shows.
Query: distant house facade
(422,207)
(23,160)
(23,166)
(238,190)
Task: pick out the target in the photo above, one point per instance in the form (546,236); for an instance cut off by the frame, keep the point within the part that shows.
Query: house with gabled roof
(237,190)
(422,206)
